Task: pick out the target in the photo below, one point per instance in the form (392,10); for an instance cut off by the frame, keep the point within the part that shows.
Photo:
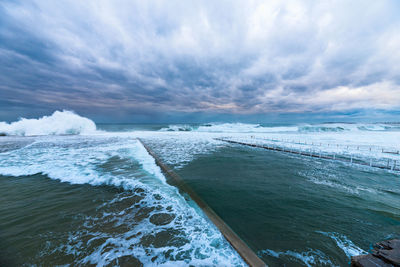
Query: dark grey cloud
(146,58)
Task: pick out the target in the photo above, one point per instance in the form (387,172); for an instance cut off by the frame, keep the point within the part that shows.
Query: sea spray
(59,123)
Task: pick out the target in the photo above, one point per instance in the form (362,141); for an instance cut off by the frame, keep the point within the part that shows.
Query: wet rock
(166,238)
(161,218)
(384,254)
(368,261)
(142,213)
(125,261)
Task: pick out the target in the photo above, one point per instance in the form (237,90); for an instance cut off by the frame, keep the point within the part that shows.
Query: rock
(389,244)
(389,251)
(384,254)
(368,261)
(161,218)
(128,261)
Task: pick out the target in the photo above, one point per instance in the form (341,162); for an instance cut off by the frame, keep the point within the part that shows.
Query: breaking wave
(259,128)
(316,129)
(59,123)
(227,128)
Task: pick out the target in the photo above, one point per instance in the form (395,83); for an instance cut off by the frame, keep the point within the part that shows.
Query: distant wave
(258,128)
(379,127)
(322,128)
(178,128)
(59,123)
(228,128)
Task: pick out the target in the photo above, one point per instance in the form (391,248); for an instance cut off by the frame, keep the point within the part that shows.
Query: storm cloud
(143,58)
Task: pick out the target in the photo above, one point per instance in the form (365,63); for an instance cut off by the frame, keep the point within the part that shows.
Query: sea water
(75,193)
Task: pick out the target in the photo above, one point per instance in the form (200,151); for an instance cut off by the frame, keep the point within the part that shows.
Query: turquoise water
(100,199)
(295,211)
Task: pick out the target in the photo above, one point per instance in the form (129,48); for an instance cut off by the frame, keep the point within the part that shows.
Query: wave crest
(262,128)
(59,123)
(228,128)
(313,129)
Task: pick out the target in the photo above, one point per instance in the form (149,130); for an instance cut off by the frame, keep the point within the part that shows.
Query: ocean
(74,193)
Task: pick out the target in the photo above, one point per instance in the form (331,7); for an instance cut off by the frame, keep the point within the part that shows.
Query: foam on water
(228,128)
(301,128)
(178,149)
(337,185)
(60,122)
(160,226)
(365,141)
(375,144)
(308,258)
(178,128)
(367,146)
(90,159)
(181,147)
(345,244)
(335,182)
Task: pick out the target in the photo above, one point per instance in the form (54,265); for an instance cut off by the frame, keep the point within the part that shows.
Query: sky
(197,61)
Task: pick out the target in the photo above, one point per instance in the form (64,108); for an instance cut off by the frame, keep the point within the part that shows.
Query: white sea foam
(368,142)
(334,184)
(228,128)
(180,144)
(347,188)
(178,128)
(91,160)
(301,128)
(178,149)
(308,258)
(375,144)
(60,122)
(370,147)
(345,244)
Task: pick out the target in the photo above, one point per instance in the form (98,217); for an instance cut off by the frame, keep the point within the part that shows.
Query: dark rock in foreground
(384,254)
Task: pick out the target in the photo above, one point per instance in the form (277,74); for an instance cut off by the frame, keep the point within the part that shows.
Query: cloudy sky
(150,61)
